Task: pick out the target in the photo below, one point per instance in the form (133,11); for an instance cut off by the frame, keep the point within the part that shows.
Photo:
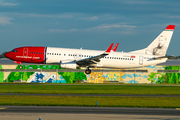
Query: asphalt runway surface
(90,110)
(80,113)
(89,95)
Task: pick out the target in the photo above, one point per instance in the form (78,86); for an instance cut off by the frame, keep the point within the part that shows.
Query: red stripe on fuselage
(27,54)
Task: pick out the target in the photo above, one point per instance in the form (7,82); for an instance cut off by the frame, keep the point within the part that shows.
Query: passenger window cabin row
(36,53)
(75,55)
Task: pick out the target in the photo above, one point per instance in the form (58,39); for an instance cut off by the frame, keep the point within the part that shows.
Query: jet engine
(67,64)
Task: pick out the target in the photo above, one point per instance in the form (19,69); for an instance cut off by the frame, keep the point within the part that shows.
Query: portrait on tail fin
(160,45)
(161,48)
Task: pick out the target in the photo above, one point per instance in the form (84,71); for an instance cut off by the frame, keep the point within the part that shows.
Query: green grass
(91,89)
(147,102)
(151,102)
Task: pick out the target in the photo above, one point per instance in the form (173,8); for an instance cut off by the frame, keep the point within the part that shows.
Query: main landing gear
(87,71)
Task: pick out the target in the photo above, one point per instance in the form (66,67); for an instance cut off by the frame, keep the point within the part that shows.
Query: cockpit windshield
(14,50)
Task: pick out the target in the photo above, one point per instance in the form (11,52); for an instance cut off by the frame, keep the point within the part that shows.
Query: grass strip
(145,102)
(91,89)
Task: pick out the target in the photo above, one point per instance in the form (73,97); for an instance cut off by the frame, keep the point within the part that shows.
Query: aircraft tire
(88,71)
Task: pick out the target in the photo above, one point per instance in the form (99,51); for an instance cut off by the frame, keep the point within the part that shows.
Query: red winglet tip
(170,27)
(109,49)
(114,49)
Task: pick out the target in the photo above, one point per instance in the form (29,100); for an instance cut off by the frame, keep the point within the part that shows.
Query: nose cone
(7,55)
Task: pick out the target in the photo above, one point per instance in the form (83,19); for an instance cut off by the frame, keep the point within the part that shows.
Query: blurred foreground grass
(149,102)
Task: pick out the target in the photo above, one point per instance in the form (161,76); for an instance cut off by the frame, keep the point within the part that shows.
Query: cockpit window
(14,51)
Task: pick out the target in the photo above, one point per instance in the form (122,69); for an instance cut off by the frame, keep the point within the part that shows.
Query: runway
(105,113)
(89,95)
(90,110)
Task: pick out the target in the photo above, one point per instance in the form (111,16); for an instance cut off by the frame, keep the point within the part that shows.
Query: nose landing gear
(87,71)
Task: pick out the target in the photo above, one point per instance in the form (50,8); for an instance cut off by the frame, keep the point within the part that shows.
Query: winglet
(109,49)
(114,49)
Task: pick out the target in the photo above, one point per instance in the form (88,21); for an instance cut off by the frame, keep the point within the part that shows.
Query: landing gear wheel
(87,71)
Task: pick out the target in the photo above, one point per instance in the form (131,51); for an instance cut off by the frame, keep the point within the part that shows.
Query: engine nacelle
(67,64)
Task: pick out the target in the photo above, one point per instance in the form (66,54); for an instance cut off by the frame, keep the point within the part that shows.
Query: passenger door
(140,60)
(25,53)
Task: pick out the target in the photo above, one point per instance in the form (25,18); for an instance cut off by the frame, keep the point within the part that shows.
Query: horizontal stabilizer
(159,58)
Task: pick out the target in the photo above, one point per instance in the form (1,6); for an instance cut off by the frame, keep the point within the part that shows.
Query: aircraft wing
(94,59)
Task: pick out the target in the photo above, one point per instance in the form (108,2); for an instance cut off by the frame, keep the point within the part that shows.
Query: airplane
(75,58)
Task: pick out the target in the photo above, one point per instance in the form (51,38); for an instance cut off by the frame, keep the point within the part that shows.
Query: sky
(90,24)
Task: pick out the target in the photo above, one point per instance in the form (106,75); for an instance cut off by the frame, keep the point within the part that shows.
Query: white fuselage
(113,60)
